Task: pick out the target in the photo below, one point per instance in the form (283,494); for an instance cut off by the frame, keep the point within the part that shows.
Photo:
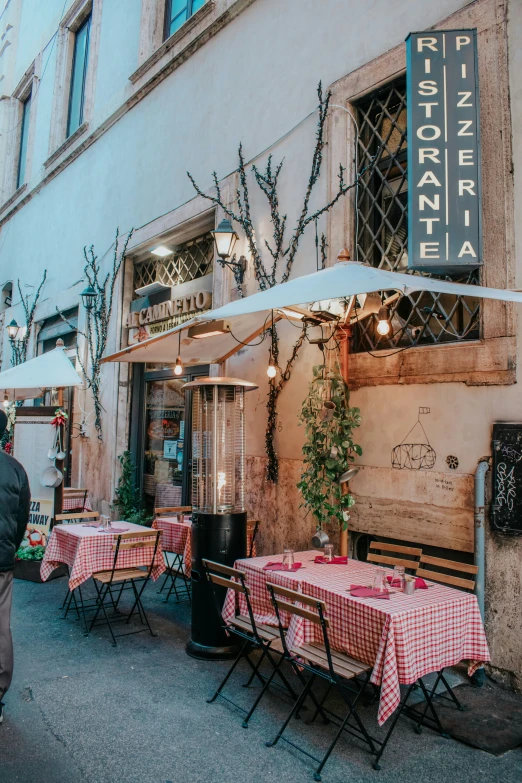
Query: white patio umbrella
(52,370)
(248,317)
(350,278)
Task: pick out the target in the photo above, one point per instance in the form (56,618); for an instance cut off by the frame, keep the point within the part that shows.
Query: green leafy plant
(127,501)
(30,553)
(329,449)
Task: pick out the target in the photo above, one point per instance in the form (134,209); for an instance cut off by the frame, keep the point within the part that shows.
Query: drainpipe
(480,475)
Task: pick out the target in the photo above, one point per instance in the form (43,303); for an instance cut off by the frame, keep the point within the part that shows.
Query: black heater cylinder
(222,538)
(218,502)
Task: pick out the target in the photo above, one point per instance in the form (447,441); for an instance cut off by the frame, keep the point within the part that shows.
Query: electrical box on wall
(506,507)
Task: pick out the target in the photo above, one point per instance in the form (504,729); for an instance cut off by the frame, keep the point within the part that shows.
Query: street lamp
(88,296)
(225,239)
(12,329)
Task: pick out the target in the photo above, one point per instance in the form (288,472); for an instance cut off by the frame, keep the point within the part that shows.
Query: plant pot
(29,570)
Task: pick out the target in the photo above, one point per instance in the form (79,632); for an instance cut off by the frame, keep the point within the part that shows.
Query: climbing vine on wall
(329,448)
(19,346)
(280,252)
(98,319)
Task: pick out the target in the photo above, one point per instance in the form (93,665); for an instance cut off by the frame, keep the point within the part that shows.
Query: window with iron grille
(188,262)
(382,235)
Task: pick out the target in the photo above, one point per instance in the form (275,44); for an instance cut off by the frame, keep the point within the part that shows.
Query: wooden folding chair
(460,575)
(252,528)
(394,554)
(337,668)
(80,495)
(104,581)
(175,569)
(252,636)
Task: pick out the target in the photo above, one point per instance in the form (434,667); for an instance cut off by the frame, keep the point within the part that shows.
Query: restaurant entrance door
(161,435)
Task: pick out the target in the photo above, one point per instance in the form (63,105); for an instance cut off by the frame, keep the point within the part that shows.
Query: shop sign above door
(156,318)
(444,177)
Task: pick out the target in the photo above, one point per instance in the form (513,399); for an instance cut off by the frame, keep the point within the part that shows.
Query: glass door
(165,446)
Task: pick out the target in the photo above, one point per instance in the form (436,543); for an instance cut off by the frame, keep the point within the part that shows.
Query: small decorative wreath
(452,462)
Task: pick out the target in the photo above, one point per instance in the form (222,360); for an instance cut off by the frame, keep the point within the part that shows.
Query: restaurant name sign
(158,318)
(444,177)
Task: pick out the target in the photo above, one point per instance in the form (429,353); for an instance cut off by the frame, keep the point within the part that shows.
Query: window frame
(60,139)
(492,359)
(21,168)
(189,5)
(86,23)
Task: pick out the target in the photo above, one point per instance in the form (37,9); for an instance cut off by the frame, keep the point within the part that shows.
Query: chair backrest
(284,598)
(252,528)
(311,609)
(76,517)
(147,540)
(394,554)
(74,492)
(467,583)
(217,574)
(158,512)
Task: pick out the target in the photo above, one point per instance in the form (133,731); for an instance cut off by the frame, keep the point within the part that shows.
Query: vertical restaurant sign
(444,174)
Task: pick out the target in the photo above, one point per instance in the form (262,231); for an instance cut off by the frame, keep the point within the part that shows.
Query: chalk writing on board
(506,500)
(506,493)
(511,453)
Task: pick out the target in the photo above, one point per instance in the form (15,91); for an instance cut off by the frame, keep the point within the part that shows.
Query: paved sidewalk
(80,711)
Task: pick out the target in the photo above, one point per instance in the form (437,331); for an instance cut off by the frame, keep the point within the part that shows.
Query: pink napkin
(281,567)
(420,584)
(359,591)
(338,560)
(118,529)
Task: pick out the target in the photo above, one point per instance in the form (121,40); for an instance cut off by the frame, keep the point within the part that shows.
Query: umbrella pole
(344,334)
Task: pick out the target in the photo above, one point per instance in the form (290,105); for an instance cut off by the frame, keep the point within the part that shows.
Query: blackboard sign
(444,210)
(506,508)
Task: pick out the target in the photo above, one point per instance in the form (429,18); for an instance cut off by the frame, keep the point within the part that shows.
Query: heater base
(207,653)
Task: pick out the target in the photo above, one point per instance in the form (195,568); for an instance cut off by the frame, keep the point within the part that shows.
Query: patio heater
(218,500)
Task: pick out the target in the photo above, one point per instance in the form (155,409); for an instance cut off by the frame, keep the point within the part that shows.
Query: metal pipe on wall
(480,538)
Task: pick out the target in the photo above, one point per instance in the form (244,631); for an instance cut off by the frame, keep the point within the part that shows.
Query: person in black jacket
(14,516)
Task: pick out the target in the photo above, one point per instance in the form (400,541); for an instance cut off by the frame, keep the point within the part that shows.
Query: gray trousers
(6,640)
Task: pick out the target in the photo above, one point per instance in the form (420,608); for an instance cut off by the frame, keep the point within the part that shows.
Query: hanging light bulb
(384,324)
(272,369)
(178,367)
(6,402)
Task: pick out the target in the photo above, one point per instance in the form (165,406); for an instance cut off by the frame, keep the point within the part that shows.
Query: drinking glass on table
(379,581)
(398,578)
(288,558)
(328,553)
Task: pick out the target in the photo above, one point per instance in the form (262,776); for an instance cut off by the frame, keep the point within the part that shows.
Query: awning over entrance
(250,316)
(51,370)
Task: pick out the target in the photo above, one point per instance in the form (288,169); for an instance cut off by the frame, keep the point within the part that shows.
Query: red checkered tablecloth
(71,503)
(404,638)
(86,551)
(177,538)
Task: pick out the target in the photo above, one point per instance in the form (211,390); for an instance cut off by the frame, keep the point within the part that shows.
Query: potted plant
(329,450)
(28,560)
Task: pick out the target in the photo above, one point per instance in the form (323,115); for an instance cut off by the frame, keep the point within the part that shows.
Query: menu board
(33,437)
(506,507)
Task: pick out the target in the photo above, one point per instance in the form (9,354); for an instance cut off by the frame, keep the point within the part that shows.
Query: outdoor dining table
(404,637)
(71,504)
(88,550)
(176,538)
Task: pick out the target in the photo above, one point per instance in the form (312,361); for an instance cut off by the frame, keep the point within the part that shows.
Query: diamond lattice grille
(187,262)
(382,233)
